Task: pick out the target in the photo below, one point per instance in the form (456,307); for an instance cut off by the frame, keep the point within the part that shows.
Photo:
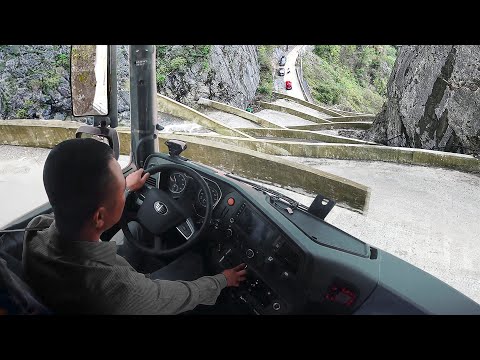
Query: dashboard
(239,233)
(296,262)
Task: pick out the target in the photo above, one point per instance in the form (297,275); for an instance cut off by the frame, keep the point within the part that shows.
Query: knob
(229,232)
(276,306)
(250,253)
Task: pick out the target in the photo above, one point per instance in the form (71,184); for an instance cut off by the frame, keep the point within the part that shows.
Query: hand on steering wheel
(136,180)
(159,213)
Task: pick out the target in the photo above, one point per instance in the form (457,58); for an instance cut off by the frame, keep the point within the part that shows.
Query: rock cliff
(433,100)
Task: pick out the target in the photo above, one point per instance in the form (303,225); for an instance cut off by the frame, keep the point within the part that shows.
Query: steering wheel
(160,212)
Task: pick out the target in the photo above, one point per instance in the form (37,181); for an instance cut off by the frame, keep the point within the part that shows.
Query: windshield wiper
(275,195)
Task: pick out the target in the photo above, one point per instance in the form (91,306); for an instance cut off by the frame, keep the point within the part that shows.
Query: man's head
(85,186)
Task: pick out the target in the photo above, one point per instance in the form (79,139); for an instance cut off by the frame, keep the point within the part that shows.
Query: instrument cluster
(179,181)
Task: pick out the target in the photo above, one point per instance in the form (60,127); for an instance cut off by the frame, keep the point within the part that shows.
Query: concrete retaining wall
(36,133)
(351,113)
(352,118)
(291,111)
(48,133)
(303,83)
(258,166)
(241,161)
(304,135)
(364,125)
(170,106)
(460,162)
(307,104)
(236,111)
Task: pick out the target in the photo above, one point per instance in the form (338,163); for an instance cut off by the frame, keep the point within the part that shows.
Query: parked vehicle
(283,61)
(281,72)
(288,85)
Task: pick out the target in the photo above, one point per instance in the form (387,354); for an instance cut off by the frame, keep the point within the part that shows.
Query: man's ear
(99,218)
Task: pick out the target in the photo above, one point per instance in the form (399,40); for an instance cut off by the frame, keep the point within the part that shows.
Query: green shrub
(330,53)
(50,81)
(265,88)
(178,63)
(160,78)
(327,94)
(62,60)
(21,114)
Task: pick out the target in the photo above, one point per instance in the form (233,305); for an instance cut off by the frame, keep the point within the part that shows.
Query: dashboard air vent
(151,181)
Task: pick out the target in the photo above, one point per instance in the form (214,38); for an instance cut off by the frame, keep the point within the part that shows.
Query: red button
(231,201)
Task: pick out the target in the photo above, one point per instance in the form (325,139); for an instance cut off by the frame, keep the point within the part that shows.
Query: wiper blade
(273,194)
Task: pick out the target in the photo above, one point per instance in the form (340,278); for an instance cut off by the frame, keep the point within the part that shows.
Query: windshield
(389,132)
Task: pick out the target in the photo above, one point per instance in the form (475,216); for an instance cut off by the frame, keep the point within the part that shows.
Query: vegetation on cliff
(172,58)
(352,77)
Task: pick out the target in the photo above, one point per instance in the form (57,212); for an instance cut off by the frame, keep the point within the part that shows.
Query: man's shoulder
(38,223)
(44,220)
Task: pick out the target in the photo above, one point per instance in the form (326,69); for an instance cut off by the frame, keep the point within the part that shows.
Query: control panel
(273,263)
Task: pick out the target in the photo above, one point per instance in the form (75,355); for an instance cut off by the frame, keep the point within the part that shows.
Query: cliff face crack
(429,121)
(456,85)
(442,127)
(452,144)
(405,134)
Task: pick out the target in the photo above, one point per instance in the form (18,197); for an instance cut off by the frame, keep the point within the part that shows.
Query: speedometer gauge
(177,182)
(202,199)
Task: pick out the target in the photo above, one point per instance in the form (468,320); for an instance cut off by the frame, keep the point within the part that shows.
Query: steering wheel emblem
(160,207)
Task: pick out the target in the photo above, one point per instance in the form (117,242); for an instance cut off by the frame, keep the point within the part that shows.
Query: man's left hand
(135,180)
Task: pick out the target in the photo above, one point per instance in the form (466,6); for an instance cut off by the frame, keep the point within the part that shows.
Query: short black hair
(76,176)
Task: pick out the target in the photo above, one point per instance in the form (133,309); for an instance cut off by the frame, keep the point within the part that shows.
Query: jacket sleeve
(137,294)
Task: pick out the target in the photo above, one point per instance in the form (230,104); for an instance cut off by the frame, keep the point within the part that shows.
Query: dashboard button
(250,253)
(231,201)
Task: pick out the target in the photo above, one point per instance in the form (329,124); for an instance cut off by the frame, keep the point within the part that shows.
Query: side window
(35,91)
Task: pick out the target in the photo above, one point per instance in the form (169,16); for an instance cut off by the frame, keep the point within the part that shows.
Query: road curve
(296,90)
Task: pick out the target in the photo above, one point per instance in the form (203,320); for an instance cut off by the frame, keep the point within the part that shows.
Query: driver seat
(16,297)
